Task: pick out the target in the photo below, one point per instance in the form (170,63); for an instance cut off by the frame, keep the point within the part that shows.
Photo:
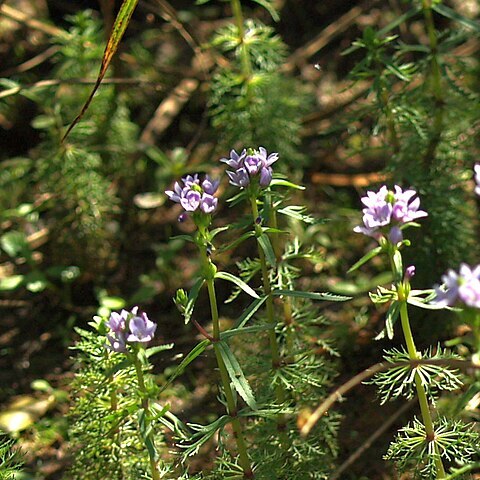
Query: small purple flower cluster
(462,287)
(195,195)
(476,169)
(248,166)
(129,327)
(387,211)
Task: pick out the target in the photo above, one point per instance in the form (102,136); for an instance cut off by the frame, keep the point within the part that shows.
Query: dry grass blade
(119,27)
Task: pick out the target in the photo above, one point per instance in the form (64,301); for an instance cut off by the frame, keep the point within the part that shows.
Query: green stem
(246,63)
(414,355)
(272,337)
(422,396)
(146,408)
(244,459)
(286,301)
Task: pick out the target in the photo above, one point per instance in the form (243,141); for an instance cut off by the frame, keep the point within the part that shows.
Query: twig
(32,62)
(17,16)
(371,439)
(168,110)
(75,81)
(300,56)
(169,14)
(370,372)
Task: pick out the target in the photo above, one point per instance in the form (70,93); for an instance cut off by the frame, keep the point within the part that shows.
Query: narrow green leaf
(392,316)
(160,348)
(145,431)
(121,22)
(236,375)
(233,332)
(326,296)
(237,242)
(268,6)
(399,20)
(238,282)
(267,248)
(368,256)
(456,17)
(187,238)
(420,303)
(216,231)
(192,298)
(285,183)
(249,312)
(397,261)
(192,355)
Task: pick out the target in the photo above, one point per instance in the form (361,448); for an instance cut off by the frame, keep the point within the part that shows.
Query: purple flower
(239,178)
(476,169)
(128,327)
(463,287)
(246,167)
(117,325)
(195,195)
(409,273)
(386,212)
(141,328)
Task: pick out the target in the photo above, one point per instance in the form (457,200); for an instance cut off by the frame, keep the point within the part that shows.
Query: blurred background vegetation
(351,94)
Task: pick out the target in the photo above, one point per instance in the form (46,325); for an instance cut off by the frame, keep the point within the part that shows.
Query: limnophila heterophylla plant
(423,447)
(197,199)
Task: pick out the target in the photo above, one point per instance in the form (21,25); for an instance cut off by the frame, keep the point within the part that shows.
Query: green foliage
(104,432)
(10,461)
(414,452)
(251,102)
(399,381)
(422,103)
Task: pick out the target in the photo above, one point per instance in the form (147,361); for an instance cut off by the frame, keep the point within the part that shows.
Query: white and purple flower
(195,195)
(462,287)
(387,211)
(129,327)
(249,166)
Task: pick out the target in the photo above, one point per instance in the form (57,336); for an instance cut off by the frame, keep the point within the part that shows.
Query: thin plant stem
(231,404)
(286,301)
(272,337)
(274,350)
(146,407)
(246,63)
(403,293)
(414,355)
(422,396)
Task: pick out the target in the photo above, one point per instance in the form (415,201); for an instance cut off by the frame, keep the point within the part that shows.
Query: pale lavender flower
(128,327)
(117,324)
(235,161)
(405,209)
(190,200)
(195,195)
(141,328)
(249,166)
(239,178)
(208,204)
(462,287)
(387,212)
(476,169)
(409,273)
